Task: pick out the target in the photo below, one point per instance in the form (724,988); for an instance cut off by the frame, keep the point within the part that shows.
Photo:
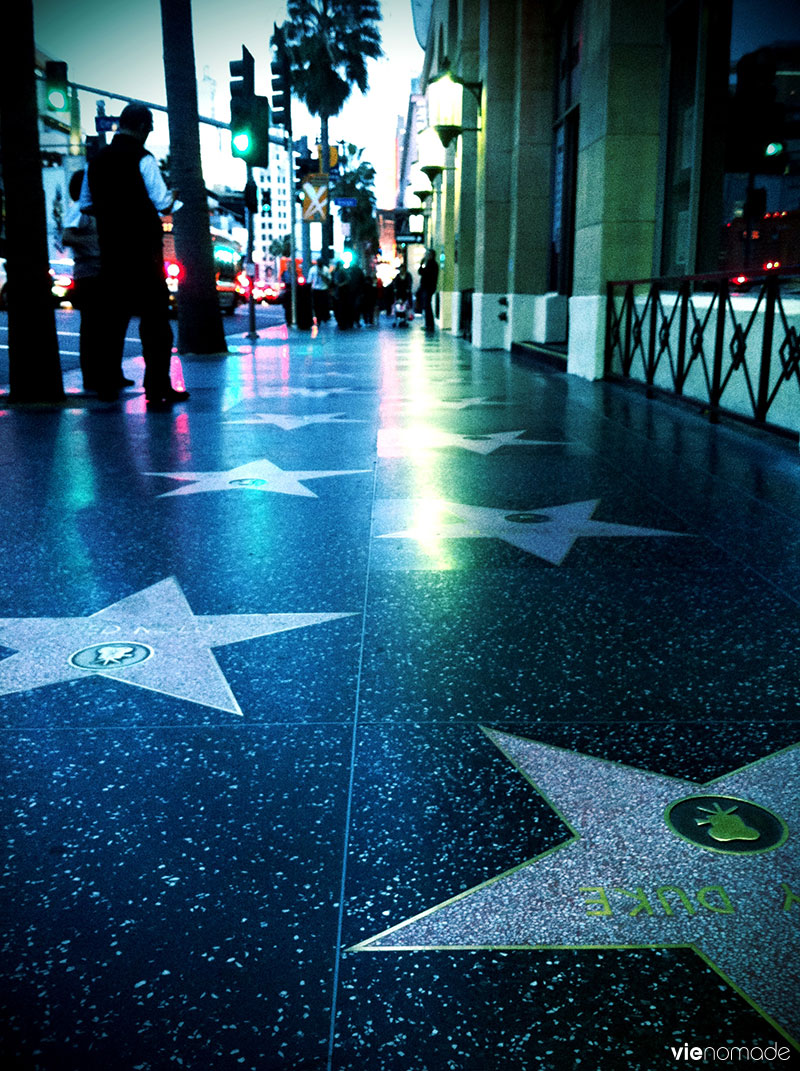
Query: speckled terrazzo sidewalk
(394,706)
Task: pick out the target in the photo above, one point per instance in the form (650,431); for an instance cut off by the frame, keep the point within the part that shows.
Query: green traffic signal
(775,148)
(249,115)
(250,130)
(56,88)
(241,143)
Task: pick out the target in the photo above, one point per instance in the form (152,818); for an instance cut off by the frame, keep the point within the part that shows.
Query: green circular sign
(726,824)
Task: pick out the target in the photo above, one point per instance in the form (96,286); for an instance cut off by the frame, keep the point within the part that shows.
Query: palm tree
(328,44)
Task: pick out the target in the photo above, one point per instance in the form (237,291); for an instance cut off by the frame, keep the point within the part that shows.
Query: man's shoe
(125,382)
(158,405)
(108,395)
(173,396)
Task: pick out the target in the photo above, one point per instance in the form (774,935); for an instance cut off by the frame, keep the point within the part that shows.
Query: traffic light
(249,114)
(56,88)
(757,138)
(281,106)
(303,164)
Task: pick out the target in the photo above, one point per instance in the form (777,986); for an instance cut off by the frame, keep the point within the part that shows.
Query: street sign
(409,239)
(345,202)
(315,198)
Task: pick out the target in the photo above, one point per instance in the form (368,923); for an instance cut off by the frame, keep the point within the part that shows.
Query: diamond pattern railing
(703,338)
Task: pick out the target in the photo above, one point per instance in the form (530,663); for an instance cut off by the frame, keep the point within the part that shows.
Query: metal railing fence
(731,345)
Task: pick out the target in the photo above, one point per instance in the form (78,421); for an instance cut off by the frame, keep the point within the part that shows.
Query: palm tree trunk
(199,319)
(34,364)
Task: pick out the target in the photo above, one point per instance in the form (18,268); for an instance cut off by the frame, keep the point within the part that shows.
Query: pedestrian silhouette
(428,279)
(125,191)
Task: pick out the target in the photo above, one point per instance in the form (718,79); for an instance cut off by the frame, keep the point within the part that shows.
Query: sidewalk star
(422,404)
(632,875)
(290,423)
(253,476)
(549,532)
(399,442)
(150,639)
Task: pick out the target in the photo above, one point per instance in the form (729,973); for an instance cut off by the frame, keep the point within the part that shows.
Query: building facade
(587,141)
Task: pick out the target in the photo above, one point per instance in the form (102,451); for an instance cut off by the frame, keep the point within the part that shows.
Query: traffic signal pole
(251,206)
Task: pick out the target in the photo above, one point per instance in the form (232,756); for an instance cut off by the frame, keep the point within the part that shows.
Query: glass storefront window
(732,168)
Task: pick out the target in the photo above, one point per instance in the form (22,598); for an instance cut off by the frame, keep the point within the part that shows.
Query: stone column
(448,295)
(618,145)
(466,157)
(531,161)
(495,145)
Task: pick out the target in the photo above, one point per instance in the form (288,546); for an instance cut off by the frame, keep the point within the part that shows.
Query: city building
(590,141)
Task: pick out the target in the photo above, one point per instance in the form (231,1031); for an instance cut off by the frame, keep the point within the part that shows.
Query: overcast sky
(115,45)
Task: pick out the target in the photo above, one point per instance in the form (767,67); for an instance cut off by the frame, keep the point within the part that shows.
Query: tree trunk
(199,318)
(34,365)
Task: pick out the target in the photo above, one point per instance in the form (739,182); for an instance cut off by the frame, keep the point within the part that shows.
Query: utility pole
(34,365)
(199,318)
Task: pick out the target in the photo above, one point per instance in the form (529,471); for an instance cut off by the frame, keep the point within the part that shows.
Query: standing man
(125,192)
(428,279)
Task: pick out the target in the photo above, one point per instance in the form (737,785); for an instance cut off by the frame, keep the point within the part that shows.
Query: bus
(233,285)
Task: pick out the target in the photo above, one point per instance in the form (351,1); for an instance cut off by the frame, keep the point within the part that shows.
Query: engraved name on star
(549,532)
(652,861)
(259,475)
(150,639)
(289,422)
(400,442)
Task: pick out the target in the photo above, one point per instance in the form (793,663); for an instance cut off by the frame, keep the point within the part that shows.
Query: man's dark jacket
(128,225)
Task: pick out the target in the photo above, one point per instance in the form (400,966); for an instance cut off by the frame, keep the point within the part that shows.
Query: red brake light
(173,269)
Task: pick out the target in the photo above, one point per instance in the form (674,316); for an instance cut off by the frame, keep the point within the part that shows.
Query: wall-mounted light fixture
(445,93)
(420,184)
(430,153)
